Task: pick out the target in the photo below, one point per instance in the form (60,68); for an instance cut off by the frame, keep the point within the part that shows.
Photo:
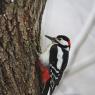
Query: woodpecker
(53,62)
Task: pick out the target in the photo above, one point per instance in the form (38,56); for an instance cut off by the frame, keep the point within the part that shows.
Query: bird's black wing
(54,72)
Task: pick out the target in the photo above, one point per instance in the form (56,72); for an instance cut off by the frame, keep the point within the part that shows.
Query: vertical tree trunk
(20,26)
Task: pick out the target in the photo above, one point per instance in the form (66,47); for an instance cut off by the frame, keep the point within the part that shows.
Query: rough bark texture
(20,26)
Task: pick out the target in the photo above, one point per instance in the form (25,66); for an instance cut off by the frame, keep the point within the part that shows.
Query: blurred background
(75,19)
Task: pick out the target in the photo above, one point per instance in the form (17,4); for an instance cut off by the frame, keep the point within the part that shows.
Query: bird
(53,62)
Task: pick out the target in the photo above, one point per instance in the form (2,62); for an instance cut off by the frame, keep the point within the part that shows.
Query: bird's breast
(44,57)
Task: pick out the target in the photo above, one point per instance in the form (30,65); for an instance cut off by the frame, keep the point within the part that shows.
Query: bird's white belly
(44,57)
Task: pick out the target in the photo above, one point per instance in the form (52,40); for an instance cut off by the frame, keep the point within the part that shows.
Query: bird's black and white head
(61,40)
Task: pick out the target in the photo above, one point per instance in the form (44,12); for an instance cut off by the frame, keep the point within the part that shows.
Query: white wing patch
(59,57)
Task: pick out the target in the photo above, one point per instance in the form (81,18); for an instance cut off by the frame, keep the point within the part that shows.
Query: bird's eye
(59,38)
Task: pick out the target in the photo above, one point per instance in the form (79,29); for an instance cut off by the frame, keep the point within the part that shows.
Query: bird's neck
(65,47)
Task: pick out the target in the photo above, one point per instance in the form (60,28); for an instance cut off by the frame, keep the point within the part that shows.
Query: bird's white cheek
(63,42)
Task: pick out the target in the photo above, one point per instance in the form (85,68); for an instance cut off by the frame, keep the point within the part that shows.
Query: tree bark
(20,26)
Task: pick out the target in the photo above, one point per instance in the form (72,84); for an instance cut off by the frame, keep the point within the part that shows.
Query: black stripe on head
(63,37)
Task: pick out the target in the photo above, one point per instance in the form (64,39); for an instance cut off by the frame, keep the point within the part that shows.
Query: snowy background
(75,19)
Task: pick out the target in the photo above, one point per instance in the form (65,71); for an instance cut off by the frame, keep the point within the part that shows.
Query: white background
(72,18)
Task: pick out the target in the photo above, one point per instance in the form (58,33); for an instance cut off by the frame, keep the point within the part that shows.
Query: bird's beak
(53,39)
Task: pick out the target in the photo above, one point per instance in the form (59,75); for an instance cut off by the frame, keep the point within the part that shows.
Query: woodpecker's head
(61,40)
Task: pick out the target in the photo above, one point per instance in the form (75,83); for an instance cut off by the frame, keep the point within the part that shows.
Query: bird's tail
(48,92)
(48,88)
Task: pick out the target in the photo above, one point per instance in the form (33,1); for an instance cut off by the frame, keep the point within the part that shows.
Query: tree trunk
(20,25)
